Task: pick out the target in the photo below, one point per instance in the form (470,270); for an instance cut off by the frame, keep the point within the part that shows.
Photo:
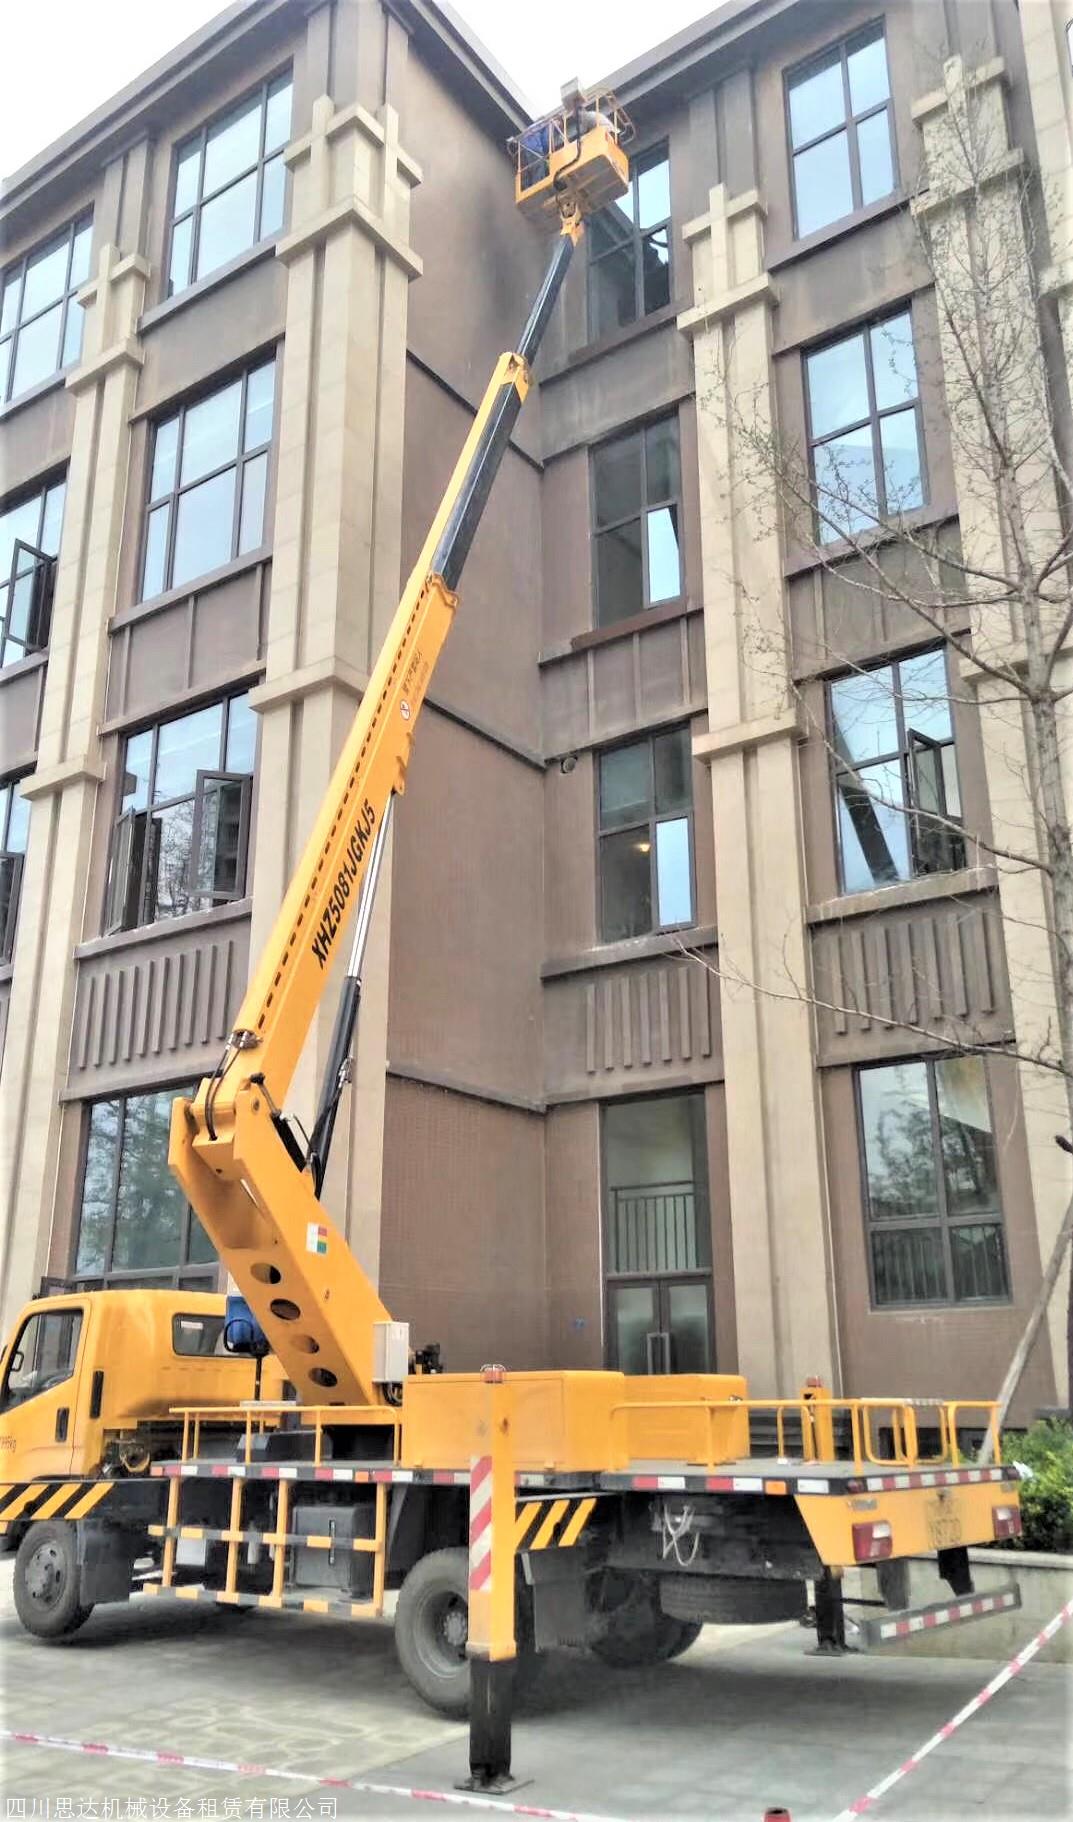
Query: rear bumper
(889,1628)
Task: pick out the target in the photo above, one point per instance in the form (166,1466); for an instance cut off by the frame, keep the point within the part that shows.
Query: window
(198,1335)
(630,248)
(645,836)
(865,432)
(29,541)
(229,184)
(896,779)
(636,488)
(135,1226)
(931,1187)
(181,837)
(841,138)
(658,1235)
(40,319)
(14,828)
(208,481)
(44,1355)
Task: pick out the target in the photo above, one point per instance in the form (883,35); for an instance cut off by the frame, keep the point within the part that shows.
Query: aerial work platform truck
(285,1447)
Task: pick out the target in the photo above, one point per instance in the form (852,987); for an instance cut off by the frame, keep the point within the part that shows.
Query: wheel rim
(441,1633)
(46,1575)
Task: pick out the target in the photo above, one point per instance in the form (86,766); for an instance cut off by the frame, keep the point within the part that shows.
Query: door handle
(62,1416)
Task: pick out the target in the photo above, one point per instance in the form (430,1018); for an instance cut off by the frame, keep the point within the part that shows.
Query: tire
(637,1633)
(732,1600)
(689,1632)
(46,1581)
(431,1628)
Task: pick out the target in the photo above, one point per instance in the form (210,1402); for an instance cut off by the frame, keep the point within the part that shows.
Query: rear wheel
(637,1632)
(46,1581)
(432,1629)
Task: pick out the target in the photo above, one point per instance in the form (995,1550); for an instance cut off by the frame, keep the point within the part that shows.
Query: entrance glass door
(661,1326)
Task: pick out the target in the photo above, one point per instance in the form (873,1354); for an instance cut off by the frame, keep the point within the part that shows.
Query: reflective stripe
(91,1499)
(524,1521)
(543,1536)
(23,1498)
(51,1507)
(577,1523)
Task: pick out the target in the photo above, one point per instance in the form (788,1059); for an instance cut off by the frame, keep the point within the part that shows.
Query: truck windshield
(44,1355)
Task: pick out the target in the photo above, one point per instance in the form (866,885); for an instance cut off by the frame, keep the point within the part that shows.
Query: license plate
(944,1524)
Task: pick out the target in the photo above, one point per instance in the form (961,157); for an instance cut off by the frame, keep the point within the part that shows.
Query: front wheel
(46,1581)
(432,1628)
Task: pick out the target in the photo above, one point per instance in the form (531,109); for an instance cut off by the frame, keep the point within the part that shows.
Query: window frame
(242,459)
(186,1274)
(199,137)
(864,328)
(910,810)
(639,433)
(45,561)
(110,925)
(75,1311)
(67,299)
(648,739)
(640,162)
(849,124)
(17,856)
(943,1221)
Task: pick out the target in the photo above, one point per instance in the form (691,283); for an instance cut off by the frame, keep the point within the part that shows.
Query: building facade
(671,1056)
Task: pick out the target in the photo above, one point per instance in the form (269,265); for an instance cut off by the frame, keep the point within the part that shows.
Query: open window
(937,847)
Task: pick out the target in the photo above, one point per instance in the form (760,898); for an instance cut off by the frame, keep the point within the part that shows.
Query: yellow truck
(283,1446)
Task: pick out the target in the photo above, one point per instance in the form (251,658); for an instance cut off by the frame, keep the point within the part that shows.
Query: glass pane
(201,1249)
(273,196)
(204,528)
(18,822)
(612,293)
(218,861)
(625,885)
(179,270)
(278,120)
(20,601)
(44,1355)
(186,176)
(46,278)
(37,351)
(894,367)
(616,480)
(185,748)
(899,1152)
(233,145)
(260,391)
(165,447)
(674,771)
(72,334)
(864,722)
(210,435)
(965,1131)
(252,517)
(154,579)
(923,689)
(9,309)
(609,232)
(664,565)
(653,1143)
(687,1319)
(653,193)
(656,270)
(625,786)
(845,485)
(837,385)
(661,461)
(868,80)
(5,367)
(136,771)
(902,480)
(873,150)
(98,1184)
(817,100)
(908,1266)
(151,1206)
(951,787)
(619,574)
(80,253)
(18,522)
(241,736)
(979,1261)
(674,884)
(823,186)
(633,1317)
(872,829)
(169,891)
(227,225)
(52,521)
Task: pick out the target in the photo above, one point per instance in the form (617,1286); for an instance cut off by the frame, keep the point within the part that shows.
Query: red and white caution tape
(147,1755)
(1006,1675)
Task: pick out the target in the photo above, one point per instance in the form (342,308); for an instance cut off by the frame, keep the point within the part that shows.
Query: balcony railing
(653,1229)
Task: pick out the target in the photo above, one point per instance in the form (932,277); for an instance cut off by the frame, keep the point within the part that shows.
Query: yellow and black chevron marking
(51,1499)
(550,1524)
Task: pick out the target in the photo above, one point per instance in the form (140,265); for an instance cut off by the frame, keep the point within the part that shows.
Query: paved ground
(744,1722)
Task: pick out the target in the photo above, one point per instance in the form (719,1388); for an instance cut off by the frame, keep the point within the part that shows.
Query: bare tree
(992,593)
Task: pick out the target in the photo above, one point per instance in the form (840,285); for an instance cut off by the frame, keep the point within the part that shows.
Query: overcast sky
(72,54)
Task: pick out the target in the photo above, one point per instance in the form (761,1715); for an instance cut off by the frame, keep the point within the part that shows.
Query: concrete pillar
(782,1277)
(63,789)
(975,221)
(1045,29)
(336,556)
